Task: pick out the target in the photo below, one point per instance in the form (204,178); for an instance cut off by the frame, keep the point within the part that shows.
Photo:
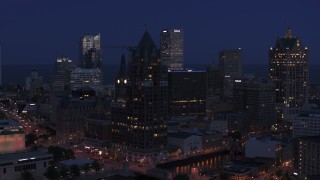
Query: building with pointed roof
(139,127)
(121,82)
(288,68)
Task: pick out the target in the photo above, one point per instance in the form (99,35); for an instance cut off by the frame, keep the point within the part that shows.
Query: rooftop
(6,122)
(21,156)
(314,139)
(78,161)
(182,135)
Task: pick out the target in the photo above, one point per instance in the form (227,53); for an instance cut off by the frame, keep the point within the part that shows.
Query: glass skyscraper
(171,48)
(90,52)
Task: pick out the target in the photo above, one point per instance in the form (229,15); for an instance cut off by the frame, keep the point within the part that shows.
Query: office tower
(214,80)
(171,48)
(81,78)
(90,52)
(288,68)
(230,62)
(121,82)
(139,128)
(187,93)
(62,73)
(34,82)
(307,156)
(257,97)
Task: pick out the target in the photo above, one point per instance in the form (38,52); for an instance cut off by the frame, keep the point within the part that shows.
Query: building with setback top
(139,128)
(288,68)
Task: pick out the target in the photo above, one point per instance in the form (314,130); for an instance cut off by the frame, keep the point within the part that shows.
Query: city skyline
(212,27)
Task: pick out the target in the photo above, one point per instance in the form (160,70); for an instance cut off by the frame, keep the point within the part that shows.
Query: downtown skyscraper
(288,68)
(90,52)
(230,63)
(138,123)
(172,48)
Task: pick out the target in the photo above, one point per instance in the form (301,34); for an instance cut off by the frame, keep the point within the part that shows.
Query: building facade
(81,78)
(306,124)
(187,93)
(257,97)
(12,137)
(90,52)
(13,164)
(62,73)
(139,127)
(288,68)
(307,162)
(230,63)
(172,48)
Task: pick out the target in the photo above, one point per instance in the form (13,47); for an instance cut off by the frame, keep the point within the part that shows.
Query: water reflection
(208,164)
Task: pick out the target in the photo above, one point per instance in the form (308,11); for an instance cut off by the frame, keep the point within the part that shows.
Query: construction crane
(129,48)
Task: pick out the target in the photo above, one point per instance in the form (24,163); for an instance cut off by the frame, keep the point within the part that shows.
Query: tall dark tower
(288,68)
(230,62)
(121,82)
(139,124)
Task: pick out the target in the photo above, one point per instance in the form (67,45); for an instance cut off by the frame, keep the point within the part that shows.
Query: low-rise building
(263,148)
(306,125)
(12,137)
(220,126)
(13,164)
(186,141)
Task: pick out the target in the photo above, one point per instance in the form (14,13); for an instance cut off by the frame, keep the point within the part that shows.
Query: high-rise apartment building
(171,48)
(90,52)
(139,127)
(288,68)
(62,73)
(257,97)
(230,62)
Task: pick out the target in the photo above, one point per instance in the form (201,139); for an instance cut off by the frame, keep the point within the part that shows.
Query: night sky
(37,31)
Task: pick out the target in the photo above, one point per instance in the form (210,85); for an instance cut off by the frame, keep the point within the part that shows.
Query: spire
(288,33)
(146,47)
(122,66)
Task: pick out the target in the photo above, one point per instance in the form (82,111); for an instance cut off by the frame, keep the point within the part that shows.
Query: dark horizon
(38,32)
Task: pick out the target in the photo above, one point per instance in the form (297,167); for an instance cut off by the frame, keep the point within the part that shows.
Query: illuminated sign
(237,80)
(176,30)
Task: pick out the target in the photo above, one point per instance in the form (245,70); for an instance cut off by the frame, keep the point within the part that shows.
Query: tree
(3,115)
(63,172)
(52,173)
(60,153)
(87,168)
(181,177)
(26,175)
(74,170)
(236,135)
(95,165)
